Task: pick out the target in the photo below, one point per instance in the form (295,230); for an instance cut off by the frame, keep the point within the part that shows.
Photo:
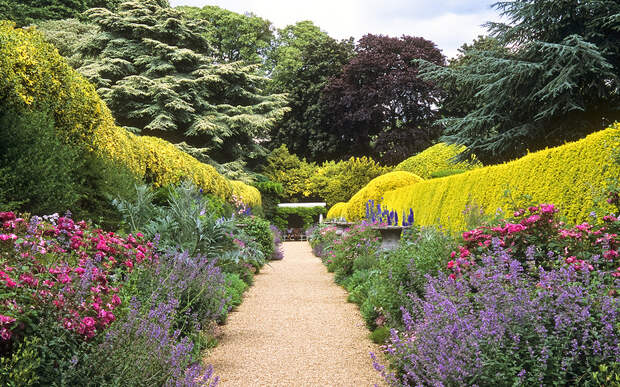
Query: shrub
(187,222)
(331,182)
(375,190)
(357,243)
(39,171)
(259,229)
(572,176)
(235,287)
(438,158)
(403,272)
(271,193)
(33,76)
(497,326)
(537,239)
(338,181)
(278,253)
(337,211)
(287,169)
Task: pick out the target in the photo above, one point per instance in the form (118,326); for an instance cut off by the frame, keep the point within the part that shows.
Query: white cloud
(448,23)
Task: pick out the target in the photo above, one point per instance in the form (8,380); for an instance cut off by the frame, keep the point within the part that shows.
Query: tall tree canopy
(235,37)
(25,12)
(556,80)
(158,73)
(379,106)
(303,59)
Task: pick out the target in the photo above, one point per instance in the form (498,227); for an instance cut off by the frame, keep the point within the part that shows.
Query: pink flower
(89,322)
(571,259)
(610,255)
(6,319)
(548,209)
(116,300)
(532,219)
(64,278)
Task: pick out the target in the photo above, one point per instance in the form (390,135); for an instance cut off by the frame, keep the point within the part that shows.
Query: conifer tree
(159,75)
(556,80)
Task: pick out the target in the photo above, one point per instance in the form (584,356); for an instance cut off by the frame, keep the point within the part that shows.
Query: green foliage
(297,217)
(156,70)
(303,58)
(235,37)
(556,80)
(20,367)
(270,192)
(290,171)
(380,335)
(337,182)
(235,287)
(331,182)
(258,229)
(38,169)
(26,12)
(187,221)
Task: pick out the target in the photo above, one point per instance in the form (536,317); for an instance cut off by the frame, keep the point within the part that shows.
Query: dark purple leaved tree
(378,106)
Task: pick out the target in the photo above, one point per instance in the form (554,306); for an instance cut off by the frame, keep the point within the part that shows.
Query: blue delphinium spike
(410,217)
(395,218)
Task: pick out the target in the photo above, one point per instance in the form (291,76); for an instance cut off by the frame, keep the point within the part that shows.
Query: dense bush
(337,211)
(38,169)
(33,76)
(572,176)
(439,157)
(499,326)
(402,272)
(535,238)
(271,193)
(331,182)
(258,229)
(336,182)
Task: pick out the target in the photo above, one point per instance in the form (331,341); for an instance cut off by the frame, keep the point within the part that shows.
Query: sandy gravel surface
(295,328)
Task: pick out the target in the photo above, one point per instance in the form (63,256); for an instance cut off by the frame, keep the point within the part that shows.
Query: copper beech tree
(379,106)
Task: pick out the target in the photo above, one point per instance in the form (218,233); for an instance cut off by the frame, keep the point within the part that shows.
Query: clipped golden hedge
(570,176)
(434,159)
(34,76)
(337,211)
(374,190)
(249,194)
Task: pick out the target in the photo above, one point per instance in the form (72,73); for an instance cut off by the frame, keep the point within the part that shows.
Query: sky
(448,23)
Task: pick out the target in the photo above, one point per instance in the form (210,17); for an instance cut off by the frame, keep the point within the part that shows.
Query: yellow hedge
(338,210)
(249,194)
(571,176)
(356,207)
(34,76)
(434,159)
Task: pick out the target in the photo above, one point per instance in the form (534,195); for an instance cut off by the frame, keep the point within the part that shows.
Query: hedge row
(34,76)
(573,176)
(438,158)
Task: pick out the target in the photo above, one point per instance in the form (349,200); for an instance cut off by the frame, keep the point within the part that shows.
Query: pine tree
(556,79)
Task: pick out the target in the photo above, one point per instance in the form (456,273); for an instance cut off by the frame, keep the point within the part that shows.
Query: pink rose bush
(71,268)
(534,235)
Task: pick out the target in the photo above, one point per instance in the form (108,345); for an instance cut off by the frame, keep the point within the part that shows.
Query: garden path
(295,328)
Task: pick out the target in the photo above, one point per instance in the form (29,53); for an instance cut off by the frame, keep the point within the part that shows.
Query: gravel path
(295,328)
